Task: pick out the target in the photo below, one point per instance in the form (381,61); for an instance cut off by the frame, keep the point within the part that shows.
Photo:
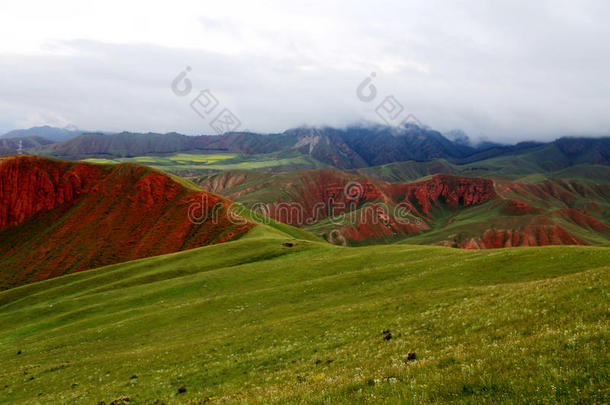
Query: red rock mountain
(60,217)
(373,209)
(455,211)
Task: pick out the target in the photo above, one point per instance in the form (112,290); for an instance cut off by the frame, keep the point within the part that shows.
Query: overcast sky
(502,70)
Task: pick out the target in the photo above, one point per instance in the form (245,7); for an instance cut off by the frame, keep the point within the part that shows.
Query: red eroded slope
(520,208)
(540,235)
(371,206)
(314,195)
(584,220)
(321,188)
(61,217)
(444,190)
(29,185)
(518,214)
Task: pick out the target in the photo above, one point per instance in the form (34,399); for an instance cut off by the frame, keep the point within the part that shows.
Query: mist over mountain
(344,148)
(458,136)
(45,131)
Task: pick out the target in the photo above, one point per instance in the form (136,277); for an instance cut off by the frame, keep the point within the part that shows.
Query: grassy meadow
(196,164)
(255,321)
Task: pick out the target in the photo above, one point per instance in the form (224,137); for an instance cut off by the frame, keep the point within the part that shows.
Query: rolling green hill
(517,168)
(254,321)
(566,159)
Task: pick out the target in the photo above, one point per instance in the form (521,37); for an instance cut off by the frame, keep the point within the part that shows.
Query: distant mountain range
(51,133)
(24,142)
(354,147)
(350,148)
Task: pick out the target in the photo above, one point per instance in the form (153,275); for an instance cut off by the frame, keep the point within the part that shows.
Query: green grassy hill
(255,321)
(518,168)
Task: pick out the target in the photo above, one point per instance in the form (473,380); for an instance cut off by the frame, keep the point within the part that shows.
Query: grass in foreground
(254,321)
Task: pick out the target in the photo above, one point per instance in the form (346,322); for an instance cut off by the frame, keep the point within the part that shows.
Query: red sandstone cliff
(444,190)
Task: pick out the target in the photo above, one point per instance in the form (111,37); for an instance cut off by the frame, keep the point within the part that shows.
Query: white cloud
(507,70)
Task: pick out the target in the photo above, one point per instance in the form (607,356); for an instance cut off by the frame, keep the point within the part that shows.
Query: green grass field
(529,168)
(194,164)
(254,321)
(532,167)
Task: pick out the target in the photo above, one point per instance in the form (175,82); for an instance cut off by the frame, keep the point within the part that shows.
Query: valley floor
(254,321)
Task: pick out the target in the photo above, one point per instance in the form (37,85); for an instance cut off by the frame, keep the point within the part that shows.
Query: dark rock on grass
(290,244)
(410,357)
(18,351)
(387,335)
(181,389)
(133,377)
